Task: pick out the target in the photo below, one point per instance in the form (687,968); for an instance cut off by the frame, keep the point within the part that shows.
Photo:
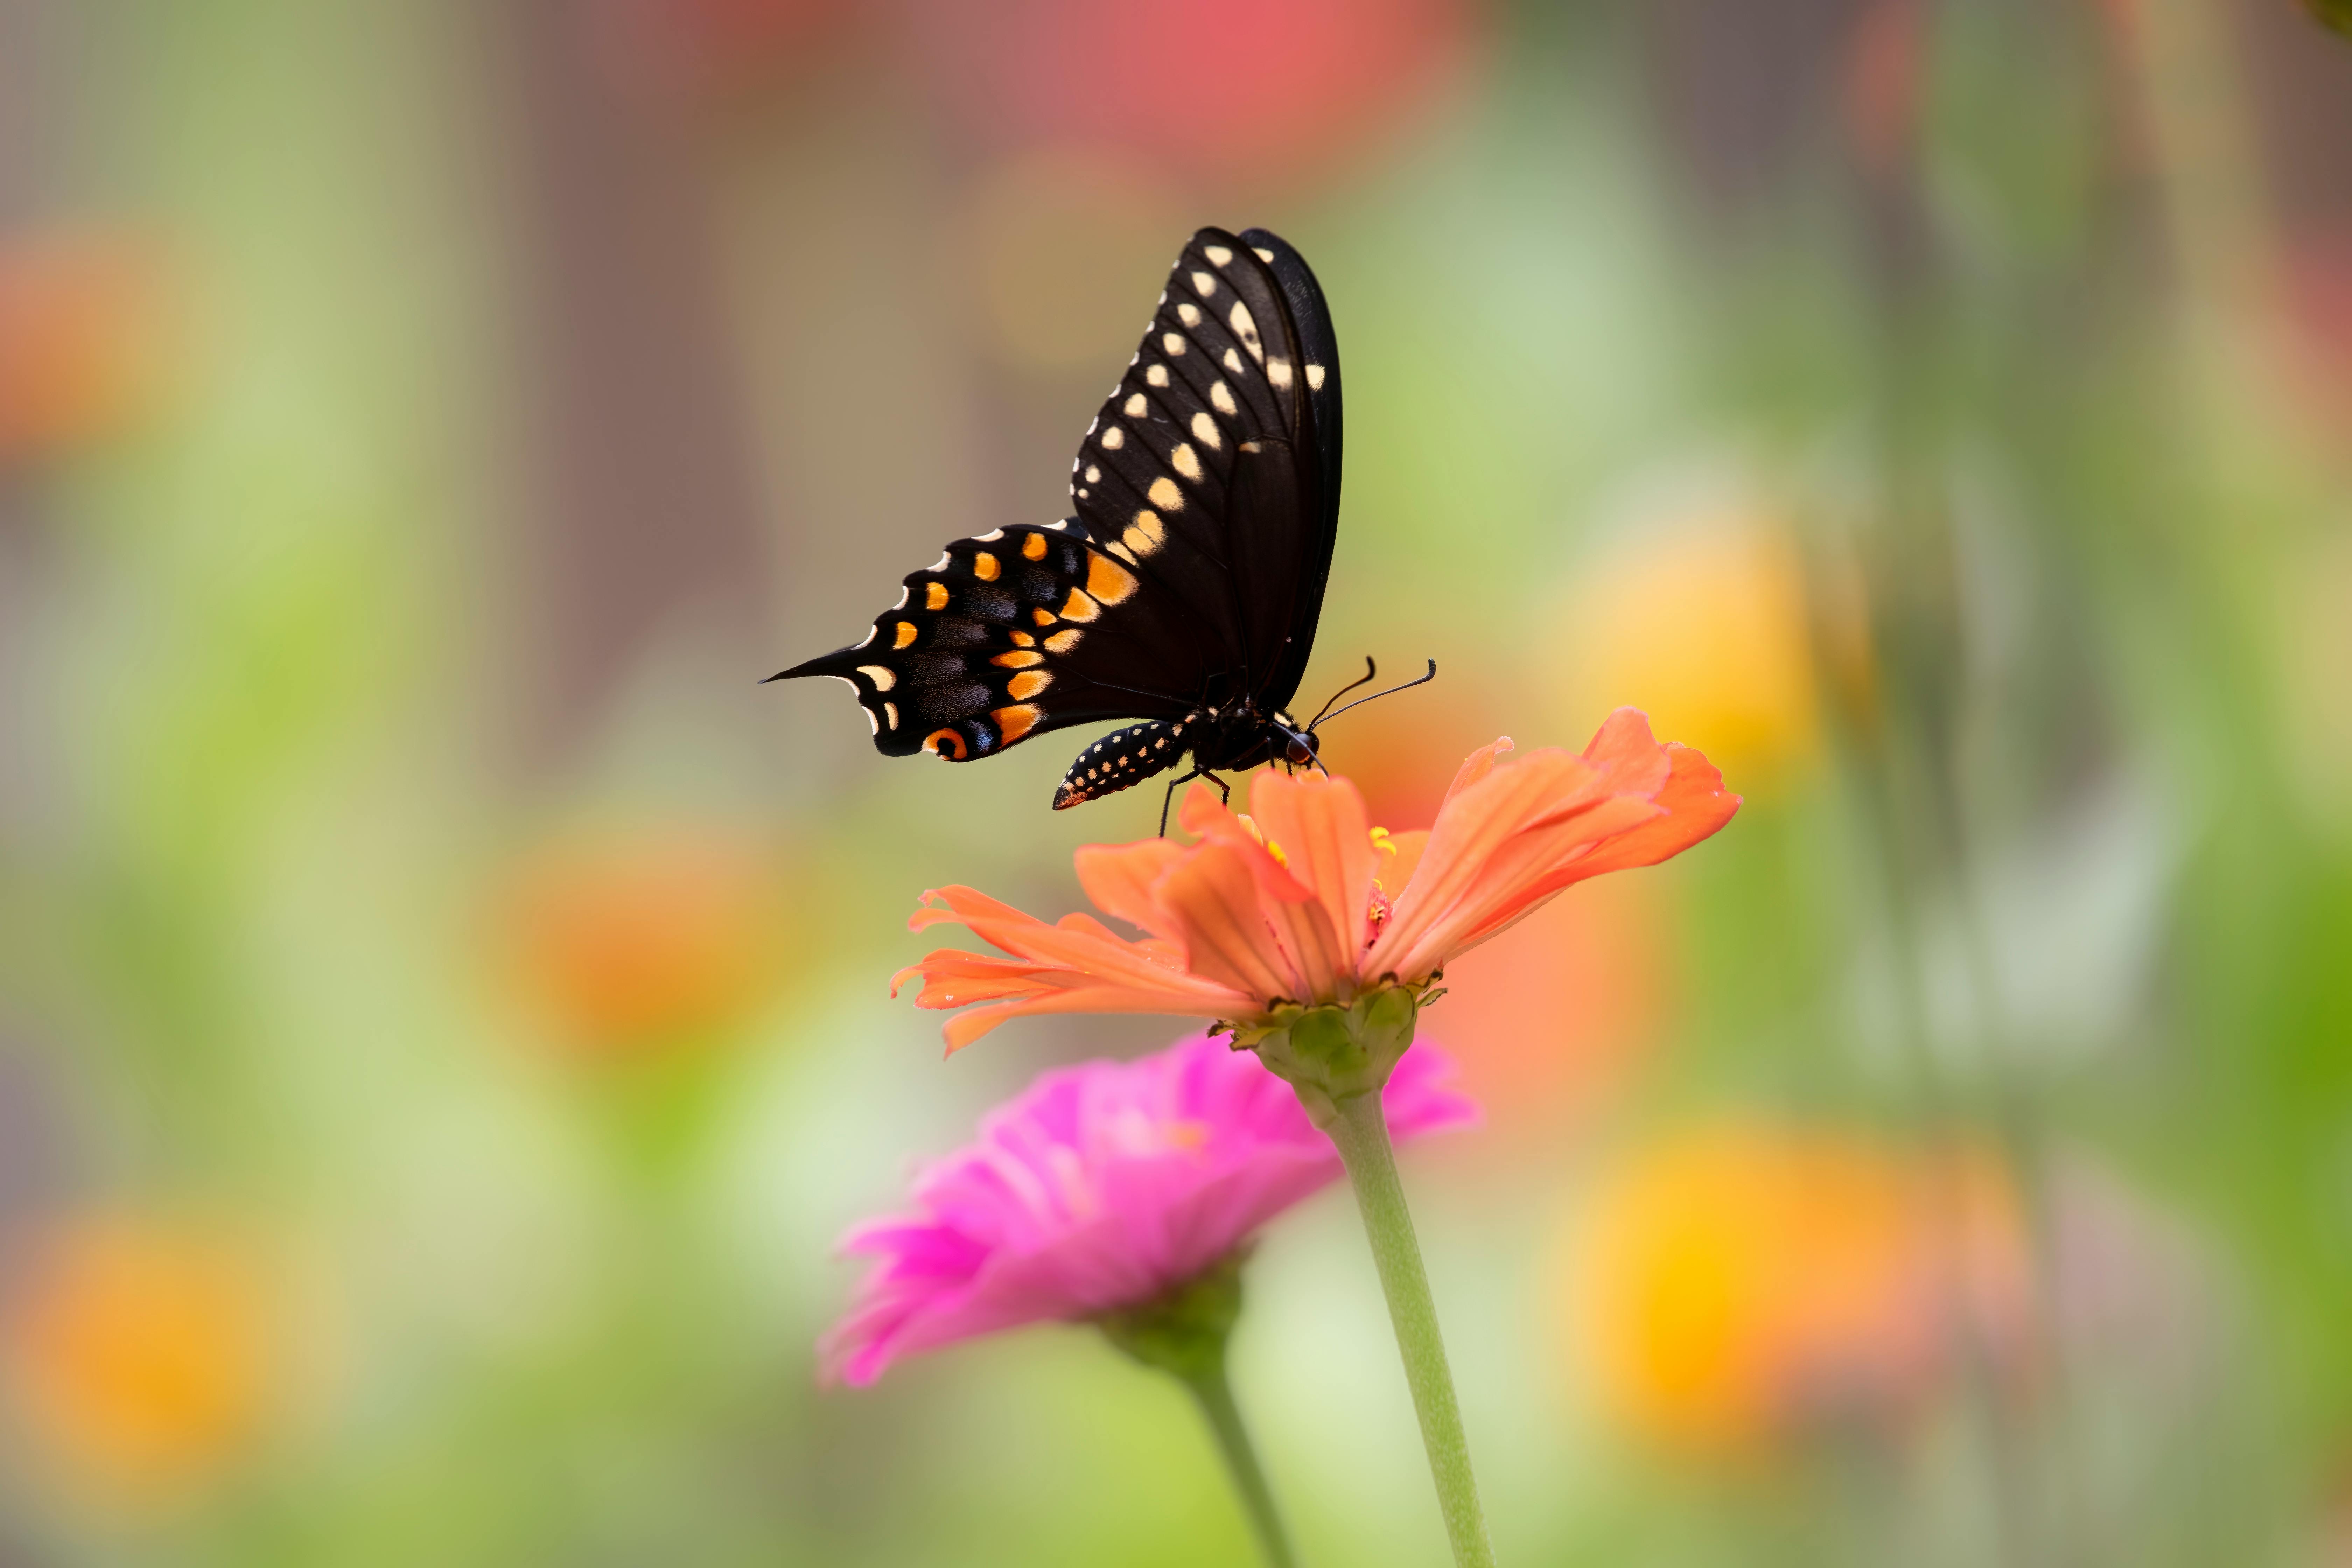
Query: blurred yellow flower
(629,944)
(1739,1284)
(139,1353)
(81,330)
(1702,625)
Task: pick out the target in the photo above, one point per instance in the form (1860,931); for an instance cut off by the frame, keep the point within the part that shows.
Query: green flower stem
(1215,1393)
(1360,1131)
(1184,1332)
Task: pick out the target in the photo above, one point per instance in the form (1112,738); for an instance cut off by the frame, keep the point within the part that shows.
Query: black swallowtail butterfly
(1184,592)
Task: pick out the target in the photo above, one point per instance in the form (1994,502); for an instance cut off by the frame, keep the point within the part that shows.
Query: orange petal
(1472,827)
(1475,766)
(1119,878)
(1395,872)
(1212,899)
(1697,805)
(965,1028)
(1321,825)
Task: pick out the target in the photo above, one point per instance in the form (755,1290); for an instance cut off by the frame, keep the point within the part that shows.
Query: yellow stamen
(1271,846)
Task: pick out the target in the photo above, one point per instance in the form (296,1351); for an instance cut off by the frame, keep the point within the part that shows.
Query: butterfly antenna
(1358,703)
(1370,671)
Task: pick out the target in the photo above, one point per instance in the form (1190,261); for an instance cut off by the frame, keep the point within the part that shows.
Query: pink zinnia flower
(1101,1187)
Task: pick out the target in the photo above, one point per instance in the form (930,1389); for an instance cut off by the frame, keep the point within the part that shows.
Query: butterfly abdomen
(1121,760)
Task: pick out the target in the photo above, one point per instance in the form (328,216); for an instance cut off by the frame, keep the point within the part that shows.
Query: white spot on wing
(1245,328)
(1204,284)
(941,563)
(1315,374)
(883,677)
(1185,460)
(1277,371)
(1136,406)
(1217,254)
(1204,428)
(991,537)
(1173,343)
(1222,396)
(1157,375)
(1114,439)
(890,711)
(1264,254)
(1189,314)
(1234,362)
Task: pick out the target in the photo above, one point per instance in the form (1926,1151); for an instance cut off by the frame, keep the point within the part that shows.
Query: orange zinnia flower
(1303,905)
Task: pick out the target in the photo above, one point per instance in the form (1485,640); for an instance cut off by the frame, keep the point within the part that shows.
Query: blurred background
(442,996)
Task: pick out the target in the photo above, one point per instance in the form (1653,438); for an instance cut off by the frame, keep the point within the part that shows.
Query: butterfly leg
(1170,798)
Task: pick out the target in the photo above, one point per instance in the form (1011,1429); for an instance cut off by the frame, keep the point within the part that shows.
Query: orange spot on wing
(1107,581)
(1027,684)
(984,567)
(1019,720)
(906,634)
(1034,547)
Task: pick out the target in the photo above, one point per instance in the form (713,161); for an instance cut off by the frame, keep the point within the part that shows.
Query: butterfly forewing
(1192,471)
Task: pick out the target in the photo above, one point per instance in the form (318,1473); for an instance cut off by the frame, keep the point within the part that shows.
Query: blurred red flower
(81,338)
(1259,89)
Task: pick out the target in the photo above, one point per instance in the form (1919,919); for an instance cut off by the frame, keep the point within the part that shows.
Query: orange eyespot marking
(934,597)
(906,634)
(1063,642)
(984,567)
(1022,639)
(948,743)
(1016,721)
(1080,607)
(1027,684)
(1034,547)
(1107,581)
(1019,659)
(1044,618)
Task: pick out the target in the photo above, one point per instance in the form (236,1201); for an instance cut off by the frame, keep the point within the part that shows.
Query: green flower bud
(1332,1053)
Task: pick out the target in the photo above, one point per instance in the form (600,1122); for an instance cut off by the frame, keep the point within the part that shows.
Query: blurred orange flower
(81,323)
(1546,1018)
(138,1352)
(1741,1284)
(1307,904)
(1704,626)
(630,943)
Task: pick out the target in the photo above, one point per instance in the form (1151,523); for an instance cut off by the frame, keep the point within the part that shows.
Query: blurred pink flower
(1100,1187)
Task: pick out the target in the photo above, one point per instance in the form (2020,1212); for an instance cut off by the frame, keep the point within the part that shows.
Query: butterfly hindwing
(978,652)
